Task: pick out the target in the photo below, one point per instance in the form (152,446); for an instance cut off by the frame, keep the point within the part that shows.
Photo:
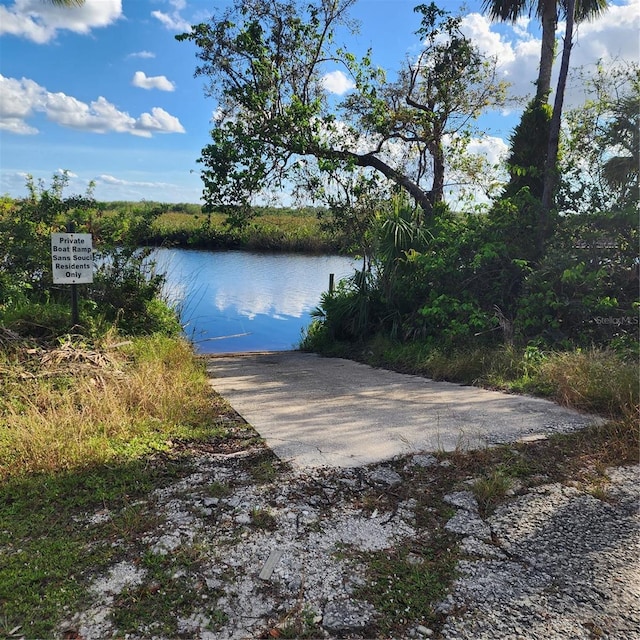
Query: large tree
(267,60)
(551,176)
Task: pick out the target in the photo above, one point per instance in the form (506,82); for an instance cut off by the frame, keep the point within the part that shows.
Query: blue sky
(107,93)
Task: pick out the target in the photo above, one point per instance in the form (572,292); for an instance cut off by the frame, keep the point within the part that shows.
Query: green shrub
(125,293)
(44,321)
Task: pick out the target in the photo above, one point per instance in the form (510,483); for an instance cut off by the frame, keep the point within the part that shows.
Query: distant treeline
(196,209)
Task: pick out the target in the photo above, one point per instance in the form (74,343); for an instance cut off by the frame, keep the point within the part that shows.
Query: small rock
(243,518)
(476,547)
(166,544)
(342,616)
(465,523)
(193,624)
(424,631)
(414,559)
(463,500)
(424,460)
(384,475)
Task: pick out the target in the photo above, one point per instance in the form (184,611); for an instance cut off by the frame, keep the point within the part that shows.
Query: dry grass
(594,380)
(77,406)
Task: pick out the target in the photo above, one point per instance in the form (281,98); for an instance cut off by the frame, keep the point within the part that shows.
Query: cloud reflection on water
(263,300)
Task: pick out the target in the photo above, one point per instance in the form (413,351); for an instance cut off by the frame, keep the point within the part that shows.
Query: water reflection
(242,301)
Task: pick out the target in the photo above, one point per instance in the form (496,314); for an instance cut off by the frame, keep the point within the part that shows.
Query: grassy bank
(286,230)
(79,406)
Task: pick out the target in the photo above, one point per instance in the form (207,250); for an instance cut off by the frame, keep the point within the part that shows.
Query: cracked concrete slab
(315,411)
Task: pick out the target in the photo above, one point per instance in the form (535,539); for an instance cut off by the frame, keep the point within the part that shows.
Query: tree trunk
(550,165)
(423,198)
(437,190)
(549,17)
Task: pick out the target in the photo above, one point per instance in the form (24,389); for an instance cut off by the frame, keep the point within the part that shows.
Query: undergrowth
(79,405)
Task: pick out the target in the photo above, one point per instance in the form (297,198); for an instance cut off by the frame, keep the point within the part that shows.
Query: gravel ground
(552,562)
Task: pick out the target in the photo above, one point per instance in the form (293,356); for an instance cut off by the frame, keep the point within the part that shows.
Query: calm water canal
(232,301)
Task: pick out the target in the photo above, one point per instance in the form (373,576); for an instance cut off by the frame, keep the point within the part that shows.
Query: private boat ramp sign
(72,258)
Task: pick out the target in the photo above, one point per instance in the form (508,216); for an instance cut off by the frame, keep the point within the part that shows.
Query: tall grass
(76,406)
(596,380)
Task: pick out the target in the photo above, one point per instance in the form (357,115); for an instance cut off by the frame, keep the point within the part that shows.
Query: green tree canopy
(276,121)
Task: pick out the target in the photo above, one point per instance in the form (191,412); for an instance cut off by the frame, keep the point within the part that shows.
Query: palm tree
(551,160)
(543,173)
(548,11)
(621,170)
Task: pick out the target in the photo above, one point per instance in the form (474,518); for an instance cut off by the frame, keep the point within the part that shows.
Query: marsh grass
(284,230)
(595,380)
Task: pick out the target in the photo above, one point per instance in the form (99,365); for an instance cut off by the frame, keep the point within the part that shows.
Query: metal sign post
(72,263)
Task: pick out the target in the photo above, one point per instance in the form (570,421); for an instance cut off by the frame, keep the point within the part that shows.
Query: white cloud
(517,58)
(40,21)
(18,100)
(142,186)
(22,99)
(158,121)
(100,116)
(478,28)
(337,82)
(112,180)
(142,54)
(613,35)
(492,148)
(173,20)
(141,80)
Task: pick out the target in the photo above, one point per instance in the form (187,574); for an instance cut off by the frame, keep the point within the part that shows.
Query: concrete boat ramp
(314,411)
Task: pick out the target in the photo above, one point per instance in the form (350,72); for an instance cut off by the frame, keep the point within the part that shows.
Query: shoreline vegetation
(285,230)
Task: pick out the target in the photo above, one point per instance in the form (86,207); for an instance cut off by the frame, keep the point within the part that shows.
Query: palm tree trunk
(551,161)
(549,18)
